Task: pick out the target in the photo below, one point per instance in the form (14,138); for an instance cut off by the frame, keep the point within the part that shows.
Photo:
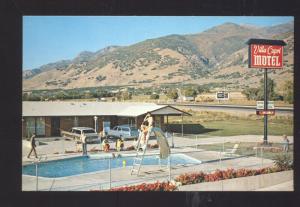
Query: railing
(167,175)
(219,161)
(36,162)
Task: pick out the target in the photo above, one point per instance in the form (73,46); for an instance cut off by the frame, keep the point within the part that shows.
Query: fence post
(169,160)
(37,177)
(173,140)
(223,147)
(63,145)
(109,165)
(261,154)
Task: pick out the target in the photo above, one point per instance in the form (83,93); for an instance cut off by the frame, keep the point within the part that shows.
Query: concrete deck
(54,150)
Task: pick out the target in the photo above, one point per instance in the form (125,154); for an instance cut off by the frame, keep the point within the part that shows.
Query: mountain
(218,55)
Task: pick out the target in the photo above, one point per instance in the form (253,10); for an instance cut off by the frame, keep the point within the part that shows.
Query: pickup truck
(76,133)
(123,132)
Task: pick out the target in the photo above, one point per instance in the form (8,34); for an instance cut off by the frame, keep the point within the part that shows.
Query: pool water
(88,164)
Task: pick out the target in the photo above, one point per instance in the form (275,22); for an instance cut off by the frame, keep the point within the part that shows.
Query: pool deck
(54,150)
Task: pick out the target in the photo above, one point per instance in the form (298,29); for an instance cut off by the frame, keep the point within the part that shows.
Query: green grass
(244,127)
(224,124)
(246,148)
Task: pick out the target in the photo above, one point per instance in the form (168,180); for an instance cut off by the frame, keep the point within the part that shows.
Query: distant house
(46,119)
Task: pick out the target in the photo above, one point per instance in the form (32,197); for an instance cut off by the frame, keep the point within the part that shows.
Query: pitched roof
(66,108)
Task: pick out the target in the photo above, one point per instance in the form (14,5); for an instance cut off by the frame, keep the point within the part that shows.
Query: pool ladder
(139,157)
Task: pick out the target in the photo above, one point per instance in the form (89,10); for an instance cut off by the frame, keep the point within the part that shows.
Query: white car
(123,132)
(77,132)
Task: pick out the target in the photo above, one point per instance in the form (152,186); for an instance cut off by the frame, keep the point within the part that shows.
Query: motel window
(40,126)
(35,125)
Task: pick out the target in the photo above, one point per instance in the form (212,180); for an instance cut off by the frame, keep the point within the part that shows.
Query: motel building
(47,119)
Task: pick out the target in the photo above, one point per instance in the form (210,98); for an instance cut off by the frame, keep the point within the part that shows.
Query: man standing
(285,143)
(32,143)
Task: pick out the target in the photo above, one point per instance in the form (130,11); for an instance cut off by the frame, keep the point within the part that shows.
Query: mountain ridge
(169,59)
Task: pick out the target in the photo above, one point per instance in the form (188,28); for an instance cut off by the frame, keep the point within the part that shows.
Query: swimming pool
(88,164)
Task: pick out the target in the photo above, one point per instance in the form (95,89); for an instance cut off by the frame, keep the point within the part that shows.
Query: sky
(49,39)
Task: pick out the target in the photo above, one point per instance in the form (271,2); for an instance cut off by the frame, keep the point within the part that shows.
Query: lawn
(246,148)
(224,124)
(244,127)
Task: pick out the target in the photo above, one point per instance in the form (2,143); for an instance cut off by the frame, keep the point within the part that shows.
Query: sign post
(266,54)
(266,106)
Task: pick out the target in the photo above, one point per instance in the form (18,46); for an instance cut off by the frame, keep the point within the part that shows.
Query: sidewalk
(286,186)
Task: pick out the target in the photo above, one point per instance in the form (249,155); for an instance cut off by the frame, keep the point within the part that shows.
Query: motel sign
(266,54)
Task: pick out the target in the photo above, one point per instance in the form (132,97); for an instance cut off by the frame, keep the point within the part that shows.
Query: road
(232,108)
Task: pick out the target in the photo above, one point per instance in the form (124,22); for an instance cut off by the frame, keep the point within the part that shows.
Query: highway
(230,108)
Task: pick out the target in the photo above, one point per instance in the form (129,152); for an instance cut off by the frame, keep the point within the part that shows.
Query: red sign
(266,56)
(267,112)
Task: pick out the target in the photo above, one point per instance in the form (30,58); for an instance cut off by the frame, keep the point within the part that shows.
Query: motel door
(55,126)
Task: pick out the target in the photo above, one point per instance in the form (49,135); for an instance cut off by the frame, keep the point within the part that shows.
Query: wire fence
(212,156)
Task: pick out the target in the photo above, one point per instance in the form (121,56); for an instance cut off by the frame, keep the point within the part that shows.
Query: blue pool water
(87,164)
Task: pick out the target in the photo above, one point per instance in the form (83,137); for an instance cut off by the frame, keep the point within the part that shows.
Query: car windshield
(76,131)
(87,131)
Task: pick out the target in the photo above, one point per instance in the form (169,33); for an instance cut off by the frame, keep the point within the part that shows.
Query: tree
(251,93)
(190,92)
(288,91)
(125,95)
(172,94)
(154,96)
(61,95)
(202,89)
(272,95)
(258,93)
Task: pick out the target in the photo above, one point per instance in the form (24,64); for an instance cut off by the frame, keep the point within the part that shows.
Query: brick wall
(86,121)
(66,123)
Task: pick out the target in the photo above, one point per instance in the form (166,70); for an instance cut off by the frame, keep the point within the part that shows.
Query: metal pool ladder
(138,159)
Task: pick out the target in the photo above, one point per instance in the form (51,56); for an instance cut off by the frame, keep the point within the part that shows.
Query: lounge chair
(230,152)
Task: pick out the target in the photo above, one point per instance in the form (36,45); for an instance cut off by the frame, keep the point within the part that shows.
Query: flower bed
(158,186)
(193,178)
(198,177)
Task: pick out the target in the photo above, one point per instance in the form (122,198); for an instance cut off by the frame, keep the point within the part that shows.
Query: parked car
(123,132)
(76,132)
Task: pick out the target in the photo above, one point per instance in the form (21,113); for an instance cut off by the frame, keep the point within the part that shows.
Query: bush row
(158,186)
(199,177)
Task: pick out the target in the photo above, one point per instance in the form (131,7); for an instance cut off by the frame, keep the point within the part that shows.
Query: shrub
(154,96)
(199,177)
(158,186)
(191,178)
(172,94)
(283,161)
